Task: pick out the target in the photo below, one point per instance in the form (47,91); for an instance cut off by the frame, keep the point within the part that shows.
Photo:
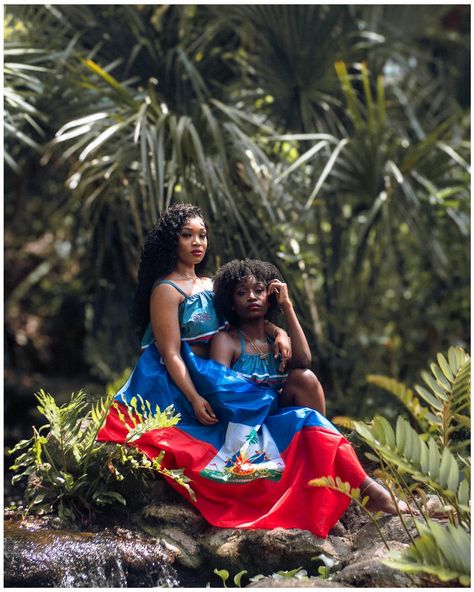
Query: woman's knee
(303,378)
(303,389)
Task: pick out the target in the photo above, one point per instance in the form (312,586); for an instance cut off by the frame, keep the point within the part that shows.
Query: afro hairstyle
(230,274)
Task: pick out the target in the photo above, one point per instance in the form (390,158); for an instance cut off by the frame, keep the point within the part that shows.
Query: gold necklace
(186,276)
(263,355)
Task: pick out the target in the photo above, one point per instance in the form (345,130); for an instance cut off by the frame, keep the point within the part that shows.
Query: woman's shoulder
(168,290)
(227,336)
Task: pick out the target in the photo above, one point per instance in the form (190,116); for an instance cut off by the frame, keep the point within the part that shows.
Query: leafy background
(331,140)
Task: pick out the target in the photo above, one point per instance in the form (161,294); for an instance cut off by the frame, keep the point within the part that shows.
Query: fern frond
(440,551)
(449,394)
(95,420)
(144,419)
(405,450)
(406,396)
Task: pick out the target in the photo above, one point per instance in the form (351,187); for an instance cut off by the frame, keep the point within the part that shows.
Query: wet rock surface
(169,544)
(37,557)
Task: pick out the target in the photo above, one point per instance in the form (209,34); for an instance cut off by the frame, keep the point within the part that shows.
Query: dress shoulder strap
(158,282)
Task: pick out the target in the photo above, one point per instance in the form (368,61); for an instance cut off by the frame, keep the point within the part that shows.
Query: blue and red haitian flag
(250,470)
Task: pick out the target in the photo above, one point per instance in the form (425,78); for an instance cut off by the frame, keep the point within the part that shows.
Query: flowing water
(118,558)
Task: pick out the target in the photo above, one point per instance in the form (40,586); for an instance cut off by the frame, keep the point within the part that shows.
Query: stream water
(35,557)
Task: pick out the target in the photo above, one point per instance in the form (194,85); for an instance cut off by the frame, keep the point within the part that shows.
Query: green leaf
(434,459)
(463,492)
(453,476)
(443,364)
(434,386)
(223,574)
(452,360)
(289,573)
(428,397)
(440,377)
(443,552)
(238,577)
(400,435)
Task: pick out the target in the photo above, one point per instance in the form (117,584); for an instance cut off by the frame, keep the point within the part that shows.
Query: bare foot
(380,499)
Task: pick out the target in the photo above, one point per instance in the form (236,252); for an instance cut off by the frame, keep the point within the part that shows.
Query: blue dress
(252,468)
(260,371)
(198,319)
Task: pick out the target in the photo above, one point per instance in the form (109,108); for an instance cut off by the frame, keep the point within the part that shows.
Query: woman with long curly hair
(174,304)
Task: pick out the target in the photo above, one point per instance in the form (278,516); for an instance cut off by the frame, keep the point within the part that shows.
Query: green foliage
(443,552)
(435,455)
(448,398)
(143,419)
(324,571)
(281,574)
(223,574)
(354,180)
(404,395)
(69,471)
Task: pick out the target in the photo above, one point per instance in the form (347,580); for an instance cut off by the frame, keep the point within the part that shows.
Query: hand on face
(280,290)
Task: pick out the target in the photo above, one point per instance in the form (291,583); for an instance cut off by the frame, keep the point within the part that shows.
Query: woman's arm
(164,304)
(301,357)
(223,349)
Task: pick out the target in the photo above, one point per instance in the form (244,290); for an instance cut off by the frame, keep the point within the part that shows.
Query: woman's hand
(282,347)
(203,411)
(281,292)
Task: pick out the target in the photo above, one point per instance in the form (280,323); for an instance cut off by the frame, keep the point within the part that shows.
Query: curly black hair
(159,256)
(230,274)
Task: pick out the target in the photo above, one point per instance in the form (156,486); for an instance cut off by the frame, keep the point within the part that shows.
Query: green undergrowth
(68,472)
(242,578)
(424,460)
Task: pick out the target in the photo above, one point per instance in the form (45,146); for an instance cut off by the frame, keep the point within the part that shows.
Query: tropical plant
(352,180)
(433,458)
(67,470)
(370,162)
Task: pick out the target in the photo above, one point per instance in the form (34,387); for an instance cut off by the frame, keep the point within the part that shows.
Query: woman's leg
(303,389)
(380,500)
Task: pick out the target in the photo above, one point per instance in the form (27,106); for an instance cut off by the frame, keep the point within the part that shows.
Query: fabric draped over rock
(252,468)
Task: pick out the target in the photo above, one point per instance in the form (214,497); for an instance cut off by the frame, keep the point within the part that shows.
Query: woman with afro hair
(249,293)
(301,387)
(248,459)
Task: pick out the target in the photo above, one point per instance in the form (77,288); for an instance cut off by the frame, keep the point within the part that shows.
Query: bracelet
(367,487)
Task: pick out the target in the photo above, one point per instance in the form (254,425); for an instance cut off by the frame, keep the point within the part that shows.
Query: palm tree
(348,178)
(381,159)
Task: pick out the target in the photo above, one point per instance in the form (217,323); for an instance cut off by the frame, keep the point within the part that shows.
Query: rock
(267,551)
(391,528)
(185,548)
(169,534)
(295,583)
(54,558)
(366,569)
(184,516)
(354,518)
(338,529)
